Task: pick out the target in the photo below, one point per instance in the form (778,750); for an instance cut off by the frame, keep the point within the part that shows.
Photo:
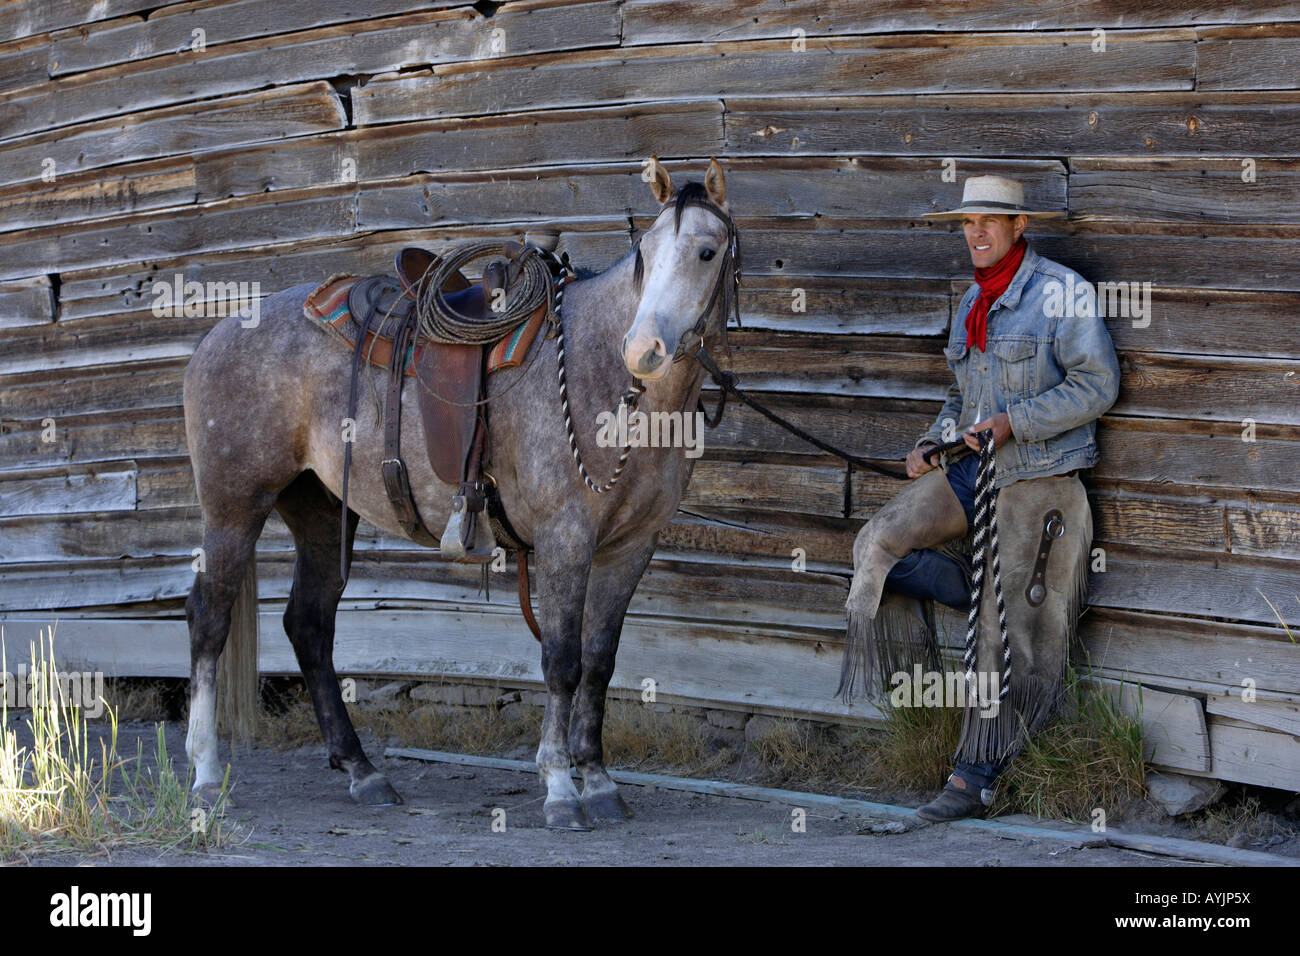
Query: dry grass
(638,737)
(134,699)
(1090,757)
(798,754)
(1244,817)
(916,747)
(475,730)
(471,730)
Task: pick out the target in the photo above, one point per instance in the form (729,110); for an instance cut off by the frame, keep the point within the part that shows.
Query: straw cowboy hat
(993,194)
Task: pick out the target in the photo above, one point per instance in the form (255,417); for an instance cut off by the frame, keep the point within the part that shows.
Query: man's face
(990,237)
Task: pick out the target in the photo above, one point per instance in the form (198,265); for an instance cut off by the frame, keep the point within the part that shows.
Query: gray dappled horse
(263,413)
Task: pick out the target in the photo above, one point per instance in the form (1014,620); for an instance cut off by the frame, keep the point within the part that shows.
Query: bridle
(726,285)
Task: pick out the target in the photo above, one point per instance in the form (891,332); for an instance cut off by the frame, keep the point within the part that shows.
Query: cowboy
(1037,377)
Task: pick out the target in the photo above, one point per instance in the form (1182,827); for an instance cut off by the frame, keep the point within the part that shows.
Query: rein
(726,381)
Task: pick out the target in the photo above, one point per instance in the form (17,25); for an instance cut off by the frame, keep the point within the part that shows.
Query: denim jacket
(1053,374)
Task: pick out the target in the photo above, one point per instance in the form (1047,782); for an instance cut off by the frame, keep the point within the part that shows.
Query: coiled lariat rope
(440,322)
(986,532)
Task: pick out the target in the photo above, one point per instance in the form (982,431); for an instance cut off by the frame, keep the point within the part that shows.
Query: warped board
(907,63)
(1089,124)
(671,21)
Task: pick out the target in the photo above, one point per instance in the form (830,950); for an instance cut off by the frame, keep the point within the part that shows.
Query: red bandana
(993,281)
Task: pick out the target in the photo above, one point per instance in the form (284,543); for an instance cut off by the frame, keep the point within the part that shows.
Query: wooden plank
(1262,57)
(165,483)
(763,593)
(1193,522)
(1179,190)
(826,544)
(840,305)
(1202,656)
(678,21)
(58,393)
(771,187)
(1196,453)
(1086,123)
(1277,715)
(1173,725)
(1183,522)
(94,195)
(113,289)
(1208,321)
(24,62)
(530,140)
(273,217)
(766,487)
(226,123)
(1250,755)
(1256,528)
(168,30)
(22,19)
(1230,587)
(68,491)
(27,302)
(98,342)
(1227,257)
(91,438)
(1131,449)
(71,584)
(363,48)
(1158,386)
(904,63)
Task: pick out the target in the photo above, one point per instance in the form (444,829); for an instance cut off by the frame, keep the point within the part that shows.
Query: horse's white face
(680,272)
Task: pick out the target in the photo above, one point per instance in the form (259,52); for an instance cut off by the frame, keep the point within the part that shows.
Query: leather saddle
(379,317)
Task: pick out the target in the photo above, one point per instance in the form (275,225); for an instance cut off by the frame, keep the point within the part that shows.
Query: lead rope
(630,398)
(986,531)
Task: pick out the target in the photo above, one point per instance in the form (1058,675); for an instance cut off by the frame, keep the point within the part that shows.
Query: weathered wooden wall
(307,138)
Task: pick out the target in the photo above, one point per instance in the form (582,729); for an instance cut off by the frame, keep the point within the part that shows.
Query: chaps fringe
(899,636)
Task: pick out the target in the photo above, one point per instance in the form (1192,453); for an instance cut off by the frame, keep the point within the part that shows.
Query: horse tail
(237,683)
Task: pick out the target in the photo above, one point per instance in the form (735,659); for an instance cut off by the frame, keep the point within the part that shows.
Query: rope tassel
(986,536)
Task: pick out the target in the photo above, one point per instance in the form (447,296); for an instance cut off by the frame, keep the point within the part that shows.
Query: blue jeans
(978,774)
(929,575)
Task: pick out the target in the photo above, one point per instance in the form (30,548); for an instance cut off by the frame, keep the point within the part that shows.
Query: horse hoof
(566,815)
(208,795)
(375,791)
(607,807)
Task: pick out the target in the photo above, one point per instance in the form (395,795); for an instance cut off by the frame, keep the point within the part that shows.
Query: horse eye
(706,255)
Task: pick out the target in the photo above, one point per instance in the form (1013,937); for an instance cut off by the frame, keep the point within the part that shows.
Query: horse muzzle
(645,356)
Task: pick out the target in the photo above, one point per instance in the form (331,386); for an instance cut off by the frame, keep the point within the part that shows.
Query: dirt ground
(296,811)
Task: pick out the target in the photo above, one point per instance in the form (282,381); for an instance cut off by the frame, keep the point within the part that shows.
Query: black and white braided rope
(986,534)
(630,398)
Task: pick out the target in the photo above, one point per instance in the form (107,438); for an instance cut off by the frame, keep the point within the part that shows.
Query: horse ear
(715,183)
(660,183)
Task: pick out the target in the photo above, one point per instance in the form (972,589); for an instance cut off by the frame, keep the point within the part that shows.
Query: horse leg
(613,579)
(312,514)
(562,591)
(227,550)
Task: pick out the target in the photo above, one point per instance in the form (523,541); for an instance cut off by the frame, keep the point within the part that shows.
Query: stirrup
(466,538)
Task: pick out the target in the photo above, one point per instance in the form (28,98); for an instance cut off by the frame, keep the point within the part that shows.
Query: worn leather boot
(957,801)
